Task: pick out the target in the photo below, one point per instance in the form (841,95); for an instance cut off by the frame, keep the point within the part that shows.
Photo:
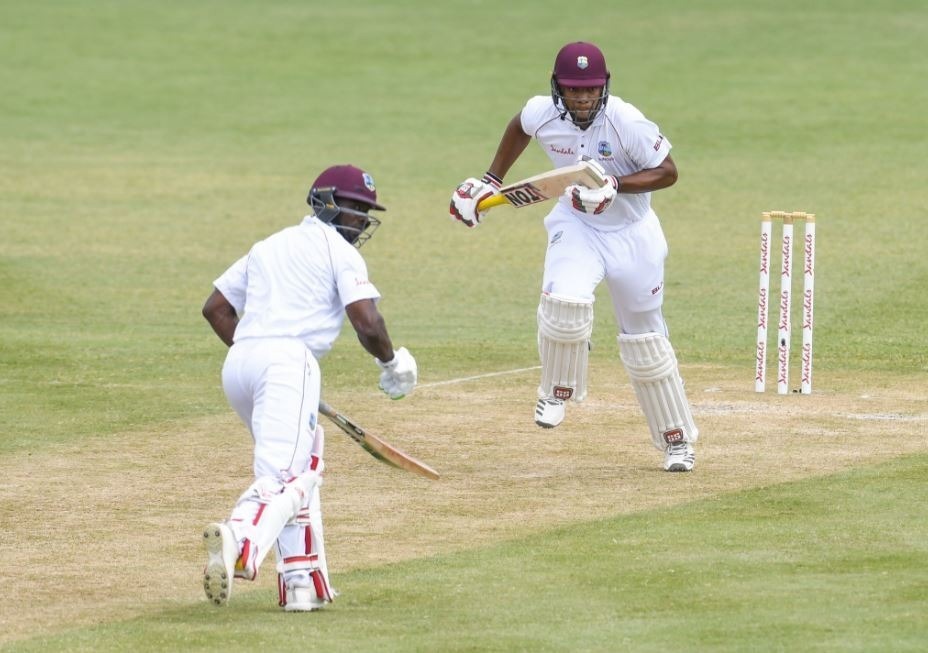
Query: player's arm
(221,316)
(369,324)
(398,369)
(472,191)
(650,179)
(511,146)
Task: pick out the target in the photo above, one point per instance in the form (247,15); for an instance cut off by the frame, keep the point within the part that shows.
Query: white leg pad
(262,512)
(565,325)
(303,577)
(652,367)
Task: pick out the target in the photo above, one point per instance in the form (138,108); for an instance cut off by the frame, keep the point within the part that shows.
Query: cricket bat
(376,447)
(545,186)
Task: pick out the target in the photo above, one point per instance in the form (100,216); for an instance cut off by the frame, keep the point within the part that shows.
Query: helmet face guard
(324,204)
(560,103)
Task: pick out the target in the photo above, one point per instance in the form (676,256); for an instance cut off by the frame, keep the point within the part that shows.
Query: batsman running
(606,233)
(280,308)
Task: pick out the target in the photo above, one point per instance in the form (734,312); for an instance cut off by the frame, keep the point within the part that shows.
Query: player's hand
(593,200)
(468,195)
(595,166)
(398,376)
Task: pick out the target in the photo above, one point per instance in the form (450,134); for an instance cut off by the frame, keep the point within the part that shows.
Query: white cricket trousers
(631,260)
(274,385)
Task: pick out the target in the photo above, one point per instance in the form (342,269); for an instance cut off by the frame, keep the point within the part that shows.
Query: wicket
(784,325)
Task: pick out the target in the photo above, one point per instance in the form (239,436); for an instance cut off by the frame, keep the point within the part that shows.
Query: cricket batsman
(609,234)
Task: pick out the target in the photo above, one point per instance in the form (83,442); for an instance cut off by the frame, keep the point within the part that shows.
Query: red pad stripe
(258,514)
(322,590)
(309,558)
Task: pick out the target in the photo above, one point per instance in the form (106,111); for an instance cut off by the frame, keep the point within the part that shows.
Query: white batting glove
(469,194)
(593,200)
(398,376)
(595,166)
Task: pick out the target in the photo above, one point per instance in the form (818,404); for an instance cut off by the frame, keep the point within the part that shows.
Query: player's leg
(275,383)
(302,571)
(565,317)
(652,367)
(635,279)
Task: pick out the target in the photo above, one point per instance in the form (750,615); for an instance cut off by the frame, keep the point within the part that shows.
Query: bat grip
(490,202)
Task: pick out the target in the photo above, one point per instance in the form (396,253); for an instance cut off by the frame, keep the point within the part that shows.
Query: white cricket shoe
(300,594)
(679,457)
(221,552)
(549,412)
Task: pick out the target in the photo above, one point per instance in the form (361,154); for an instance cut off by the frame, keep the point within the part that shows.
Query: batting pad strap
(298,563)
(655,376)
(565,325)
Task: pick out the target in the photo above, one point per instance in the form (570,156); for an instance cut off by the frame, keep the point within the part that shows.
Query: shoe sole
(679,467)
(217,582)
(545,425)
(311,607)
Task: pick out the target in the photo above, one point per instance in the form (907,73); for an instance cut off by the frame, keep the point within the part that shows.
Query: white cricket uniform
(625,244)
(290,292)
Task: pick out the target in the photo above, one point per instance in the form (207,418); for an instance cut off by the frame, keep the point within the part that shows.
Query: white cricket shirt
(296,283)
(621,139)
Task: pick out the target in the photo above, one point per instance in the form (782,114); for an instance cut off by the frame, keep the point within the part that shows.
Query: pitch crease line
(477,377)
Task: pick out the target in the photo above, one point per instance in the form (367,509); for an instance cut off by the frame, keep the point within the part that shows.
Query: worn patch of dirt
(110,527)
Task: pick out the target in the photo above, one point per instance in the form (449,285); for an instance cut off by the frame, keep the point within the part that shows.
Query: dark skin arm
(369,324)
(514,142)
(511,147)
(644,181)
(221,316)
(367,321)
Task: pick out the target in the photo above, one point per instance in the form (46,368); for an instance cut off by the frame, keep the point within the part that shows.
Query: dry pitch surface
(127,510)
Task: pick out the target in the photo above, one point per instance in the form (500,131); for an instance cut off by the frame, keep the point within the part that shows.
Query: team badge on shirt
(604,148)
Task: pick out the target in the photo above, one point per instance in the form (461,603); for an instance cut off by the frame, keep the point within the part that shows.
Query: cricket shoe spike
(679,457)
(549,412)
(221,552)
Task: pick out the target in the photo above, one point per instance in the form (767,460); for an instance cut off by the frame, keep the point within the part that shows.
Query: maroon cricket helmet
(349,182)
(580,65)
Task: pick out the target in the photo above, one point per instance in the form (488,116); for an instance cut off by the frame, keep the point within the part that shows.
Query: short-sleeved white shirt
(296,283)
(621,139)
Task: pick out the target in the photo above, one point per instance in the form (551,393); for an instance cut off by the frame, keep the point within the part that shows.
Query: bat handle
(490,202)
(326,410)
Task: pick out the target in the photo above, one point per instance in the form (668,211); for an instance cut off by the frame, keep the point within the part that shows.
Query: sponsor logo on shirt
(657,289)
(361,282)
(556,237)
(657,144)
(562,150)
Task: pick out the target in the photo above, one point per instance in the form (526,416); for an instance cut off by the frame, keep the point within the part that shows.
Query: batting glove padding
(398,377)
(469,194)
(593,200)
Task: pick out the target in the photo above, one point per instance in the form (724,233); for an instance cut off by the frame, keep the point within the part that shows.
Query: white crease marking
(477,377)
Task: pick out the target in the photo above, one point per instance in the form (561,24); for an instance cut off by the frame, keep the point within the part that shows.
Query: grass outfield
(143,147)
(678,578)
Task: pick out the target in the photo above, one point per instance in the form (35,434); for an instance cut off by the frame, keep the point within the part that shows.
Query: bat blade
(544,186)
(378,448)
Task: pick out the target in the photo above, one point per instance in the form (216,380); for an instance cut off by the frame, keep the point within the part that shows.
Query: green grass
(144,146)
(783,568)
